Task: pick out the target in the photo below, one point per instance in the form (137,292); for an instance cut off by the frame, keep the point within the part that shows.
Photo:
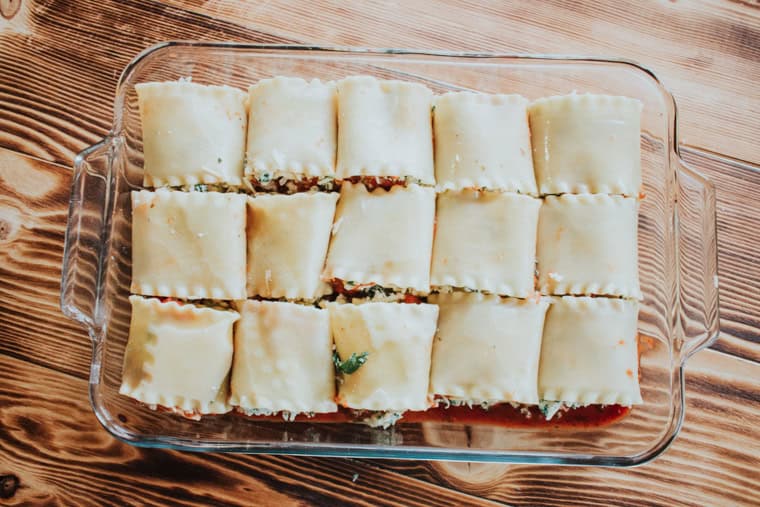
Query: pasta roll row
(387,357)
(210,245)
(360,127)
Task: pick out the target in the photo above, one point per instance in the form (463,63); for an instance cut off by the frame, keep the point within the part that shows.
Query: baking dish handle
(83,247)
(698,261)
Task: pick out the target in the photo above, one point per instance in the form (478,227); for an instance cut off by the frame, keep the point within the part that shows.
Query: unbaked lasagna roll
(292,128)
(485,241)
(384,129)
(587,144)
(394,340)
(178,356)
(192,133)
(487,348)
(590,352)
(587,245)
(383,237)
(483,142)
(188,245)
(283,359)
(287,244)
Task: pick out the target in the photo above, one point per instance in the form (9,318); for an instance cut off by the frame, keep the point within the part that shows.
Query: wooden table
(59,63)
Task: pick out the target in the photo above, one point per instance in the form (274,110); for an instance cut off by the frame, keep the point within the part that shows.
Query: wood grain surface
(59,64)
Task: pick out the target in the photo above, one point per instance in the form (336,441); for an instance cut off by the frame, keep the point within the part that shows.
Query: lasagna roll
(397,340)
(587,144)
(292,129)
(590,352)
(384,129)
(587,245)
(287,244)
(189,245)
(283,359)
(485,241)
(178,356)
(483,142)
(383,237)
(487,348)
(192,133)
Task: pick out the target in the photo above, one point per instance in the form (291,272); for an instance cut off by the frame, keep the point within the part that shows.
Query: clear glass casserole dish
(677,259)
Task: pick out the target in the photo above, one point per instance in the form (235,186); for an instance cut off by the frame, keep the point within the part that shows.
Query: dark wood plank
(33,211)
(60,62)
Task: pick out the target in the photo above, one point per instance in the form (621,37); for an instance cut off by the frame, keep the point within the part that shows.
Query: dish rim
(95,323)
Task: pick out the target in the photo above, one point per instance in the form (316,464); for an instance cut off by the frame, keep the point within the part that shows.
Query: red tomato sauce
(506,415)
(503,414)
(355,291)
(164,299)
(359,291)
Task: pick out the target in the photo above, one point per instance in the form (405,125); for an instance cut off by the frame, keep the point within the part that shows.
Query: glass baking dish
(677,259)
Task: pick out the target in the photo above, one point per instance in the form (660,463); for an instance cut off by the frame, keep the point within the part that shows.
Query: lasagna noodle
(192,133)
(487,348)
(383,237)
(485,241)
(189,245)
(590,352)
(397,338)
(483,142)
(587,245)
(178,356)
(287,244)
(283,359)
(292,129)
(384,129)
(587,144)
